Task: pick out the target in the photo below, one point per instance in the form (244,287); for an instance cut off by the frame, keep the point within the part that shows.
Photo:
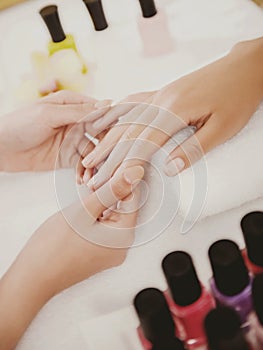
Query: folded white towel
(234,174)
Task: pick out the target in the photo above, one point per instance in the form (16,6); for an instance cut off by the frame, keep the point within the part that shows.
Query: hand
(218,100)
(31,139)
(56,257)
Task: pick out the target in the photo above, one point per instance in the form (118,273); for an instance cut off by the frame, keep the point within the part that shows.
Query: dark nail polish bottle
(188,300)
(97,15)
(156,322)
(252,227)
(223,330)
(256,317)
(231,283)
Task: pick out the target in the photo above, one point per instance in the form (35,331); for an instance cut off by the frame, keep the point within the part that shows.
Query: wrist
(250,54)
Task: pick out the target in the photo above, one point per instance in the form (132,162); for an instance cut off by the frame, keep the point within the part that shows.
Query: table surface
(202,31)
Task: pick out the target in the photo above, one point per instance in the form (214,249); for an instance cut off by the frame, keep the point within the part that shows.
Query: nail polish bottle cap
(97,14)
(223,330)
(154,314)
(148,8)
(257,293)
(230,272)
(172,344)
(181,277)
(252,227)
(51,18)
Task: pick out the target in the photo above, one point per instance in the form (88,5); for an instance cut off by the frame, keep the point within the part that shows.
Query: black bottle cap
(252,227)
(257,293)
(171,344)
(148,8)
(181,277)
(97,14)
(51,18)
(154,314)
(229,269)
(223,330)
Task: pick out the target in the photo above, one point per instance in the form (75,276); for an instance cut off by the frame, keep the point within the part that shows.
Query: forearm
(54,259)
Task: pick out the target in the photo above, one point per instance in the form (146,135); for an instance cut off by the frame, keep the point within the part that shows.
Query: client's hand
(60,254)
(217,99)
(31,138)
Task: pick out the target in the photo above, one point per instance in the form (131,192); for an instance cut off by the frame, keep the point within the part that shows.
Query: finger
(119,187)
(121,150)
(126,214)
(122,108)
(105,147)
(194,148)
(160,130)
(66,107)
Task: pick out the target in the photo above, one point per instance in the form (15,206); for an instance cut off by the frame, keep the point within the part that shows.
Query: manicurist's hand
(68,248)
(31,138)
(217,99)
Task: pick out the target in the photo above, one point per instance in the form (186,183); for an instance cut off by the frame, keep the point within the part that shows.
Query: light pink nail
(174,166)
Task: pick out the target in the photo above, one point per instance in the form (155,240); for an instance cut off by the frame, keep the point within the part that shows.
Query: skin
(30,282)
(50,130)
(217,99)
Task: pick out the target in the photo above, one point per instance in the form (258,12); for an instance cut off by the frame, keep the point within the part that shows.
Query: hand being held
(31,138)
(217,99)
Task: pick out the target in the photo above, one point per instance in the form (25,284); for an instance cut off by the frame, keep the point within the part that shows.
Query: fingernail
(88,160)
(133,174)
(103,104)
(173,167)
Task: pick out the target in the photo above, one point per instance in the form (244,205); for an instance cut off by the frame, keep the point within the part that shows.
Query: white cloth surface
(203,31)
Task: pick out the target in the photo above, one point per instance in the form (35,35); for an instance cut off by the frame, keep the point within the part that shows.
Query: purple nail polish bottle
(231,283)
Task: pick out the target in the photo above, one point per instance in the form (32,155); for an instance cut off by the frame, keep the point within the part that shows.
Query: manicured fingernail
(88,160)
(173,167)
(103,104)
(133,174)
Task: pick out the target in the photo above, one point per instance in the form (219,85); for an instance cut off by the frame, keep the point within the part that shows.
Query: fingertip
(133,174)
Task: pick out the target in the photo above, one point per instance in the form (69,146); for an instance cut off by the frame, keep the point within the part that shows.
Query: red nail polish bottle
(156,322)
(188,300)
(252,227)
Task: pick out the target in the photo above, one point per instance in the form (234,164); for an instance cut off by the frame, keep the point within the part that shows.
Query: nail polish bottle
(256,317)
(60,41)
(154,30)
(156,322)
(252,227)
(223,330)
(97,14)
(231,283)
(188,300)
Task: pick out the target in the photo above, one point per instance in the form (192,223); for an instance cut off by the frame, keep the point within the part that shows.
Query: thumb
(117,188)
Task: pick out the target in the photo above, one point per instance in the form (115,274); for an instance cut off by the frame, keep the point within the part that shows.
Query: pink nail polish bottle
(154,30)
(256,317)
(252,227)
(223,330)
(156,323)
(188,300)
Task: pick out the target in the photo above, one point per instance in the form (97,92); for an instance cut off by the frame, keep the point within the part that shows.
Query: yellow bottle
(59,41)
